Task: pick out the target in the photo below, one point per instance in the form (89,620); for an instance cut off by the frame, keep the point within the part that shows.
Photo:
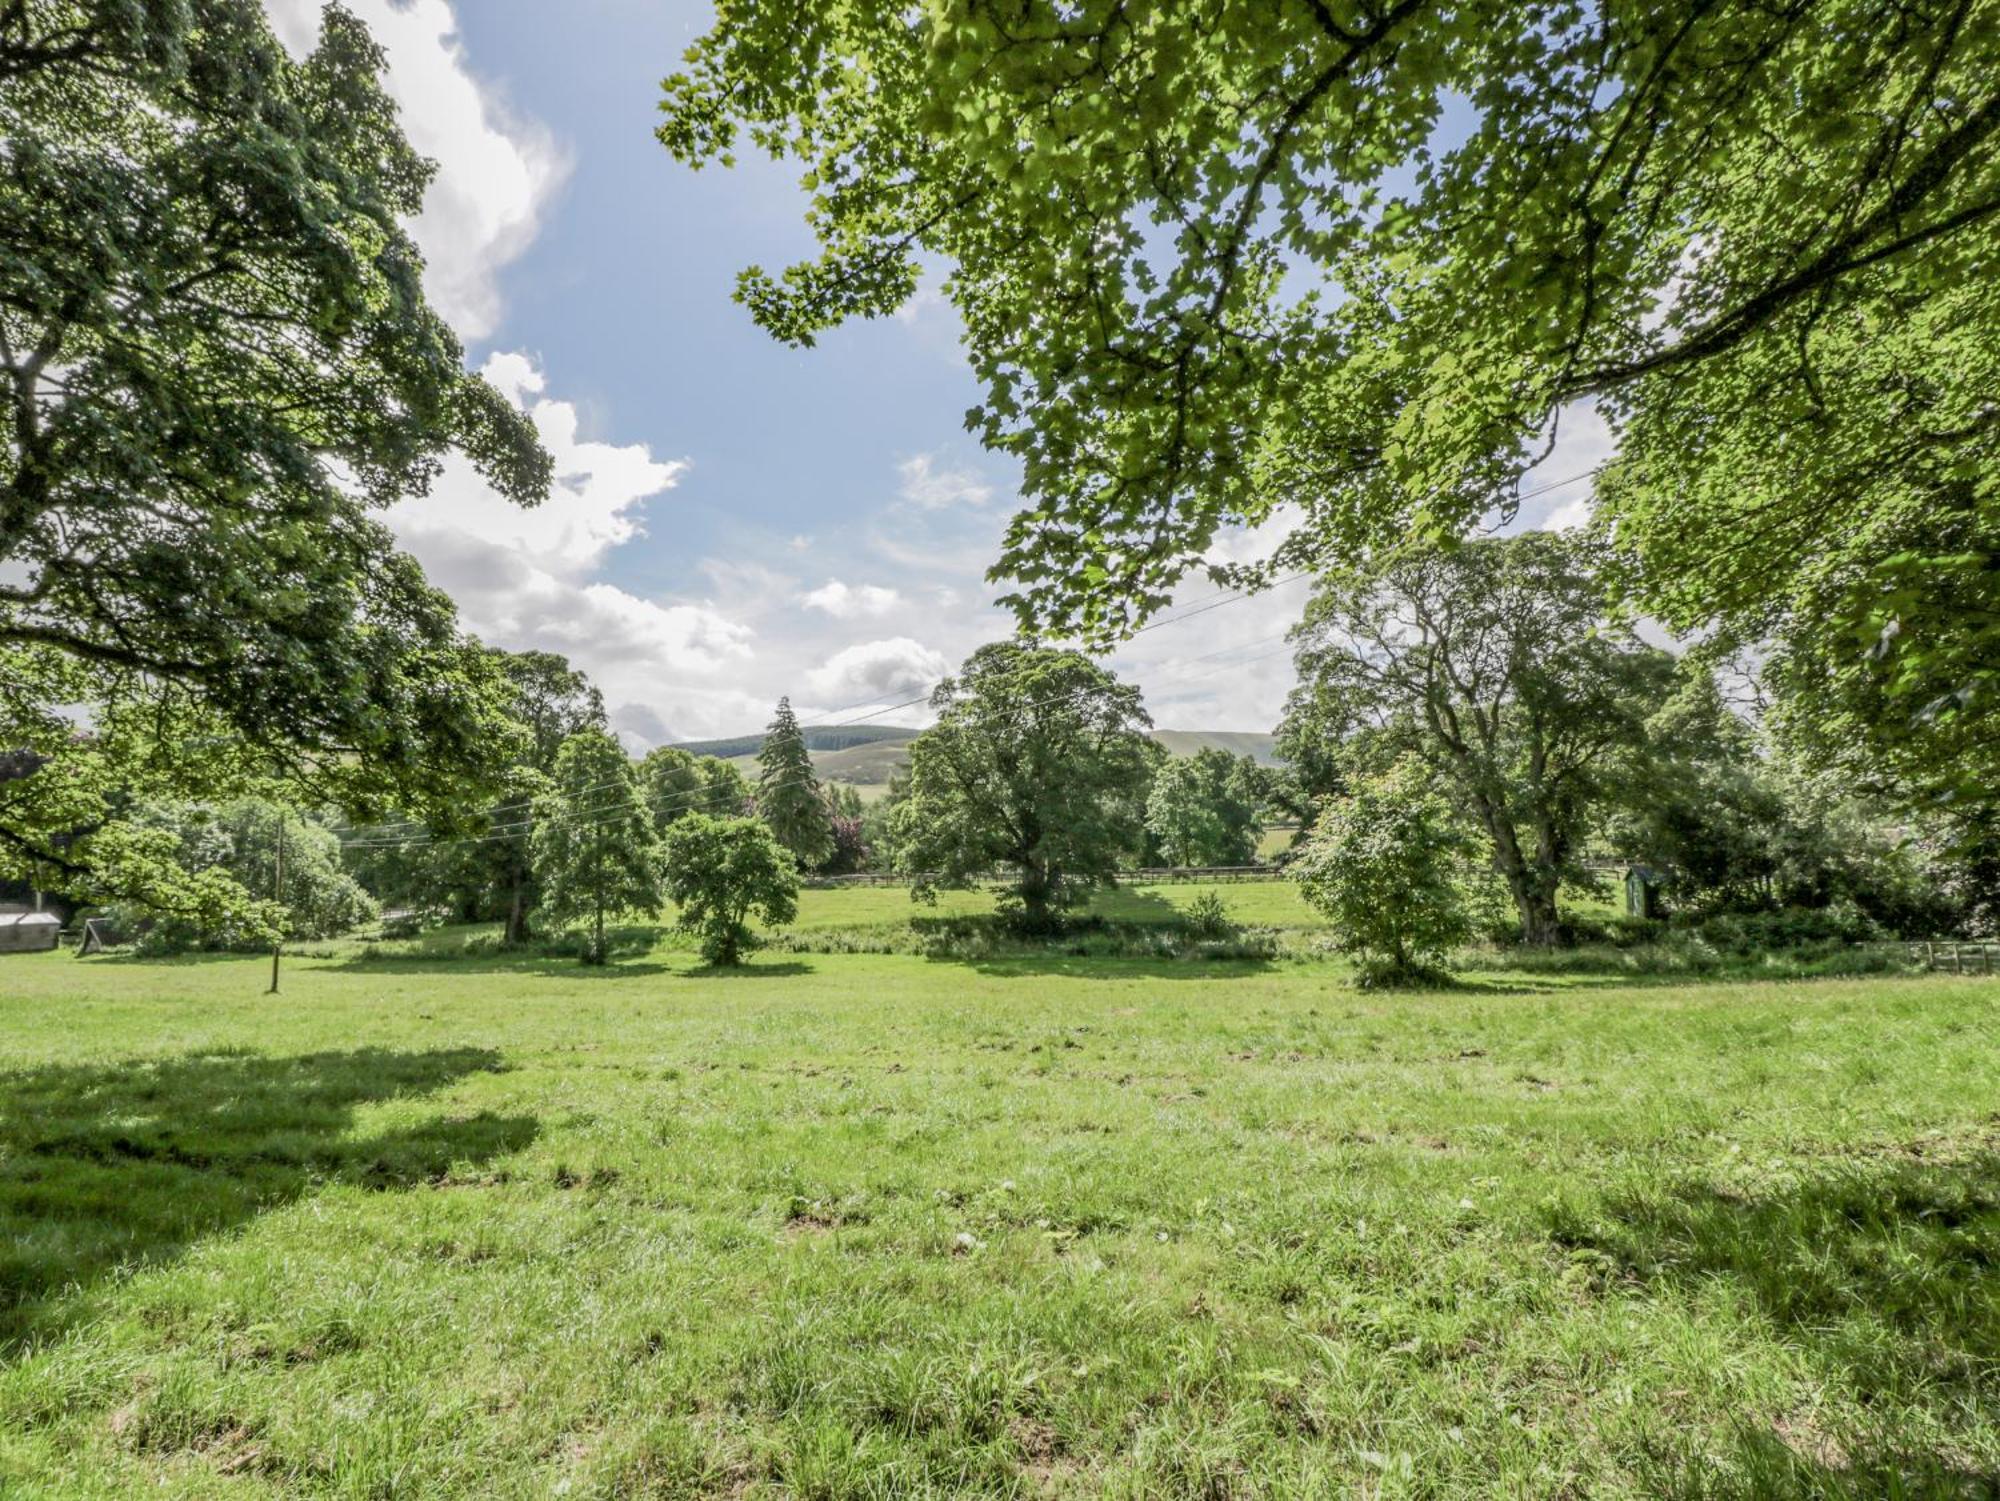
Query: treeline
(1476,741)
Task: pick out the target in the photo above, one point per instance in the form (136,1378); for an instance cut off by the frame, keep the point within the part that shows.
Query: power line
(1202,606)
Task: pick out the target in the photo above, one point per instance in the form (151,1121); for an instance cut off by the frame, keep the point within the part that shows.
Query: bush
(721,871)
(1382,868)
(1207,917)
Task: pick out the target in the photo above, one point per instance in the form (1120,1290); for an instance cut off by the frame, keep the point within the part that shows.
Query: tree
(678,783)
(789,798)
(490,872)
(1359,260)
(551,702)
(1494,665)
(1381,867)
(242,840)
(1205,809)
(1037,762)
(217,362)
(594,849)
(721,872)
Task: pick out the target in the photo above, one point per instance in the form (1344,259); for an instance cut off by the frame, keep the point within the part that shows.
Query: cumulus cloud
(930,485)
(525,578)
(596,502)
(497,170)
(851,601)
(897,667)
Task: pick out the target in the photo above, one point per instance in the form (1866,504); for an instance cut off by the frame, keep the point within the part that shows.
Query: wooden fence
(1951,958)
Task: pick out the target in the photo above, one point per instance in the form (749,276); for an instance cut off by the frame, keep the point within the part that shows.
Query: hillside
(866,757)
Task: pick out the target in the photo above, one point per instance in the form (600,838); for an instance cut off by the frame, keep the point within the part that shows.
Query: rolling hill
(865,756)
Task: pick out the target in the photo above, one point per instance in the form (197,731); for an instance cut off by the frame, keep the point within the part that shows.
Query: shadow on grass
(501,962)
(1884,1269)
(749,969)
(103,1168)
(1104,966)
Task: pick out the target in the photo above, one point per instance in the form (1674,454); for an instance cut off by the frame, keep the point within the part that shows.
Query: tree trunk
(1036,891)
(1532,885)
(517,908)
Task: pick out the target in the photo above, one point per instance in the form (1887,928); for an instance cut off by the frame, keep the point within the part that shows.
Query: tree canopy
(1382,866)
(723,871)
(217,361)
(1038,762)
(1351,262)
(1494,666)
(789,798)
(1205,809)
(594,849)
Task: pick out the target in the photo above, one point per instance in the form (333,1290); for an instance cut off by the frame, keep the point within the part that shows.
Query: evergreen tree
(594,849)
(788,793)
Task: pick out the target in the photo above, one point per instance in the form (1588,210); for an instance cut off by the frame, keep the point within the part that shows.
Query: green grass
(875,1226)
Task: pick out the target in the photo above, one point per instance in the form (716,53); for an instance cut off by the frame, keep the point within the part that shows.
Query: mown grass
(882,1226)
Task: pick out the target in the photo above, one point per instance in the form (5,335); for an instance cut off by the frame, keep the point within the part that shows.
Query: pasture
(866,1225)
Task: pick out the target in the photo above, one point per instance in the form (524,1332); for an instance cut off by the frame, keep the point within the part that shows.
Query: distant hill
(1261,748)
(836,739)
(867,756)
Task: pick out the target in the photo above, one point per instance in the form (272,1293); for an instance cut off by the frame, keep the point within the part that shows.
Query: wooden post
(278,881)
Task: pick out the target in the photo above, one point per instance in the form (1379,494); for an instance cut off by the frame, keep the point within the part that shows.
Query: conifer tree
(789,799)
(594,847)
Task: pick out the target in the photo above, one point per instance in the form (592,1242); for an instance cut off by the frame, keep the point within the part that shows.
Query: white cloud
(595,503)
(897,667)
(526,577)
(851,601)
(497,171)
(1557,493)
(930,486)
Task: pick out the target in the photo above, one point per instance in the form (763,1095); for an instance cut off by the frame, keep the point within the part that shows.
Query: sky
(732,520)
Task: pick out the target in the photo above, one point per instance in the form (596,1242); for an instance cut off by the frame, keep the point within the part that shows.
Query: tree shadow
(749,969)
(103,1168)
(1883,1266)
(1095,966)
(500,962)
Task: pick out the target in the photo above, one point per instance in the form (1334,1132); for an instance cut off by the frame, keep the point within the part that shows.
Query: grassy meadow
(866,1225)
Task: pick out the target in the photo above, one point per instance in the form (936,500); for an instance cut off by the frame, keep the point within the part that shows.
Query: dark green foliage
(489,871)
(788,793)
(219,362)
(678,782)
(241,841)
(1358,261)
(1382,866)
(723,871)
(1205,809)
(594,849)
(1493,664)
(1037,766)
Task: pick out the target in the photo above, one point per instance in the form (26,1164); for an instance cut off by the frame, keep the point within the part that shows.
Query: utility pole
(278,943)
(597,889)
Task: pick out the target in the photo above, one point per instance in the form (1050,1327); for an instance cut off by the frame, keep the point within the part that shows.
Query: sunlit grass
(848,1226)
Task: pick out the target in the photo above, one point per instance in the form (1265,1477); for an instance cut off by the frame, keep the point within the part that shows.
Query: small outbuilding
(1645,892)
(28,932)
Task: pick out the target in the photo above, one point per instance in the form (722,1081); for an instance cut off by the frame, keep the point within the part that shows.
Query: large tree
(595,853)
(489,872)
(1205,809)
(1493,665)
(1037,764)
(1355,258)
(723,871)
(789,797)
(216,361)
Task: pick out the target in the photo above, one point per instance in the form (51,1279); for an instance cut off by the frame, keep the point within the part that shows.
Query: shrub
(1381,868)
(720,872)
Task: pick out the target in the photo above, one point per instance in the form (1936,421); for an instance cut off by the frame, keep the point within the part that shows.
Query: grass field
(874,1226)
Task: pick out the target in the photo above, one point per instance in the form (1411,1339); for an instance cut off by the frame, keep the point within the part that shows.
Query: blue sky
(732,520)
